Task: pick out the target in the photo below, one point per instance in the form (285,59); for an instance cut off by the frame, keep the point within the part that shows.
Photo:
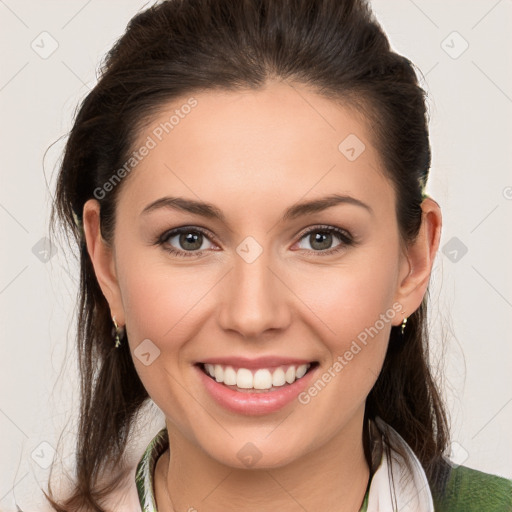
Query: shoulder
(470,490)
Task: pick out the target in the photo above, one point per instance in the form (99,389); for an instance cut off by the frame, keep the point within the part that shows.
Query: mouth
(256,380)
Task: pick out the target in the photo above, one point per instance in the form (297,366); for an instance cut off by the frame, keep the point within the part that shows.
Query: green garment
(467,490)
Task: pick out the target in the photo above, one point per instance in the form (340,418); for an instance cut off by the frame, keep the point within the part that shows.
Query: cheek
(352,306)
(355,312)
(161,305)
(349,300)
(159,299)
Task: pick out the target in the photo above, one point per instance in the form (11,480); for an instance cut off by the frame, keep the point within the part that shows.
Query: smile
(256,379)
(255,387)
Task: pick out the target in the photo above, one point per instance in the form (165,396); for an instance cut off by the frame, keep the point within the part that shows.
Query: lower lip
(254,403)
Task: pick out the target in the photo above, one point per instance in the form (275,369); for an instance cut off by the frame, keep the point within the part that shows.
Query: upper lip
(258,362)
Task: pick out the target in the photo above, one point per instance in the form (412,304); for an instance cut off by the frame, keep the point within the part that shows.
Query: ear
(102,258)
(418,259)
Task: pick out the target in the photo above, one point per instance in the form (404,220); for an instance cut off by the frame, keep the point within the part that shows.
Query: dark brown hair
(180,47)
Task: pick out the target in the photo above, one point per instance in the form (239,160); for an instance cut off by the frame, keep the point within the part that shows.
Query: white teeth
(290,375)
(219,373)
(210,368)
(278,377)
(229,376)
(301,371)
(244,378)
(262,378)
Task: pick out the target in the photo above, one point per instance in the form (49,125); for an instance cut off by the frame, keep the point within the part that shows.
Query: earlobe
(419,258)
(102,258)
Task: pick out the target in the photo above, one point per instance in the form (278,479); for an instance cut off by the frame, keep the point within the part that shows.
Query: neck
(332,478)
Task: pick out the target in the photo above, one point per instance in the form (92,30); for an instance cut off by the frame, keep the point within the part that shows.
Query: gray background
(470,93)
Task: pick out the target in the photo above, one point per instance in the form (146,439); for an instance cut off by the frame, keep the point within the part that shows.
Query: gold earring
(403,325)
(118,332)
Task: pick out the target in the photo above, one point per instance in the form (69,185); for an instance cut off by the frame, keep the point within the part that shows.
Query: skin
(253,154)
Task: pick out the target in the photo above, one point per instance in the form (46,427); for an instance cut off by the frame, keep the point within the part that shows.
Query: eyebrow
(211,211)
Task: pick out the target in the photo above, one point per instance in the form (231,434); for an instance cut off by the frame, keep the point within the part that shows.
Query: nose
(254,299)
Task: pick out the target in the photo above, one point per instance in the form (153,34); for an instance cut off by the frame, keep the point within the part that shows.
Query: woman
(246,183)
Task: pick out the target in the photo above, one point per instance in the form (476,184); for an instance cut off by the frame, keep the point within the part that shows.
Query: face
(257,281)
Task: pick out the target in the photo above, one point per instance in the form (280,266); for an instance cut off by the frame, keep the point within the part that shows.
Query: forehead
(278,141)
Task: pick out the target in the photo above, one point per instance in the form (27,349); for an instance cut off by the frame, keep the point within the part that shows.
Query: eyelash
(346,239)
